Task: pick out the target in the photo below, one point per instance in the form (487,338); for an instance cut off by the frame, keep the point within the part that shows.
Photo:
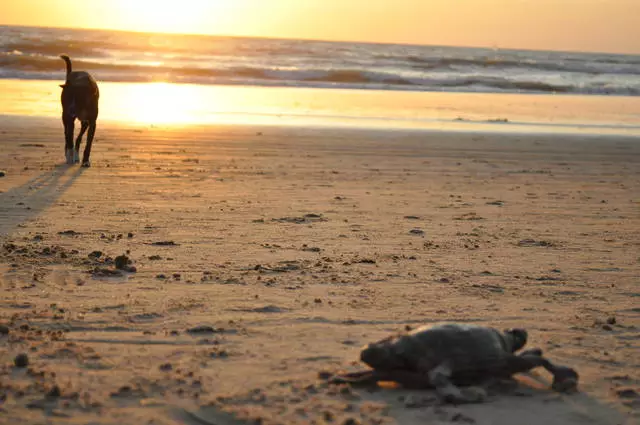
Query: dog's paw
(86,164)
(69,156)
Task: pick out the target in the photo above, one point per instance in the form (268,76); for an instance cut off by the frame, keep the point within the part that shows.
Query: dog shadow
(21,204)
(527,401)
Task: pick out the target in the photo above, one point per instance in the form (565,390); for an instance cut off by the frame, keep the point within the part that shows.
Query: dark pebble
(21,360)
(324,375)
(219,354)
(2,173)
(166,367)
(607,327)
(54,392)
(121,261)
(628,393)
(203,329)
(4,330)
(95,254)
(611,320)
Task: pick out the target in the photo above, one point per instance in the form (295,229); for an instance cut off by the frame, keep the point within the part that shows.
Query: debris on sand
(204,329)
(122,262)
(307,218)
(21,360)
(54,392)
(105,272)
(69,233)
(365,261)
(94,255)
(282,267)
(264,309)
(533,242)
(307,248)
(628,393)
(164,243)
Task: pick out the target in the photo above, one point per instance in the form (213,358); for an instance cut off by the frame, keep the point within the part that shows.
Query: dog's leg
(565,379)
(68,122)
(87,148)
(76,152)
(440,378)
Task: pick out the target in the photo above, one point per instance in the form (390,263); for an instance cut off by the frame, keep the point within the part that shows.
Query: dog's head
(515,339)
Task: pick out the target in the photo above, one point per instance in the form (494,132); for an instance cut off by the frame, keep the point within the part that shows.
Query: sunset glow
(157,103)
(586,25)
(185,16)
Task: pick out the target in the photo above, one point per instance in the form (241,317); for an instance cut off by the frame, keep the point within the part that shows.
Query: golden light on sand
(156,103)
(170,104)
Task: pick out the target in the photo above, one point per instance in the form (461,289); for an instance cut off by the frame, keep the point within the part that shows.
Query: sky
(574,25)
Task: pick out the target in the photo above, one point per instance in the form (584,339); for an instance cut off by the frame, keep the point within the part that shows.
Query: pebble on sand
(21,360)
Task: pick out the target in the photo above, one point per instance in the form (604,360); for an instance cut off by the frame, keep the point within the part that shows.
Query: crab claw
(565,379)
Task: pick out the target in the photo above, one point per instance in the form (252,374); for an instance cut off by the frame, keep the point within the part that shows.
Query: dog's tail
(68,62)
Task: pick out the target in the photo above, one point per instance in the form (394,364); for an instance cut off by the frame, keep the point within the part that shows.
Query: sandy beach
(266,255)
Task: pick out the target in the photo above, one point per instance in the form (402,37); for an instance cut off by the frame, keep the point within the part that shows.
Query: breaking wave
(32,53)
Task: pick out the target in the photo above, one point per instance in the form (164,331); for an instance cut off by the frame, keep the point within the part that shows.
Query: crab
(451,358)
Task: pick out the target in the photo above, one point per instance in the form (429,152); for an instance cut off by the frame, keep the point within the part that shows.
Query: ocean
(33,53)
(189,79)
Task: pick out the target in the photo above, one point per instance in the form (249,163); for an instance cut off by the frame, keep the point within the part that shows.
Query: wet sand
(261,256)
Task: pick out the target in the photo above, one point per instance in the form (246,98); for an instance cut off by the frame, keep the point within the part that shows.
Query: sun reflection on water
(155,103)
(166,104)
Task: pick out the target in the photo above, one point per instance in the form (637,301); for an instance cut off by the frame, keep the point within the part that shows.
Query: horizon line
(495,48)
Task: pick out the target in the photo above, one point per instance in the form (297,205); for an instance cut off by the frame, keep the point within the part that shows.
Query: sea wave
(19,65)
(628,67)
(337,79)
(33,53)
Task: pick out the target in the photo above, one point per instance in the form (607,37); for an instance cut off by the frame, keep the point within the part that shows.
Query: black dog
(79,100)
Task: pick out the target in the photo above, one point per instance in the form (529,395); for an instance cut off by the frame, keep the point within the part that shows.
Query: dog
(79,100)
